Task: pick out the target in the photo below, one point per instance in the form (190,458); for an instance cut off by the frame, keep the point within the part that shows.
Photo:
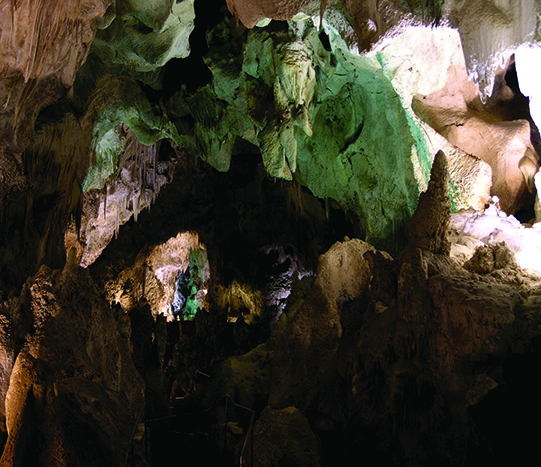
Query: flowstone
(491,31)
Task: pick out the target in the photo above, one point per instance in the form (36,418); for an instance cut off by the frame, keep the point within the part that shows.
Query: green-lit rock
(118,101)
(144,35)
(329,118)
(338,123)
(360,150)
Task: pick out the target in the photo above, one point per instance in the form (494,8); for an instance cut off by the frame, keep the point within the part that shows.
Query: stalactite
(43,38)
(124,203)
(152,198)
(117,219)
(79,212)
(142,198)
(105,202)
(136,207)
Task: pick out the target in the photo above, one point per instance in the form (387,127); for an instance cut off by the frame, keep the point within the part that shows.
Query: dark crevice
(505,419)
(192,70)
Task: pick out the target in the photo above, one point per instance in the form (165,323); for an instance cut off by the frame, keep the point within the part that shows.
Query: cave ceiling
(352,106)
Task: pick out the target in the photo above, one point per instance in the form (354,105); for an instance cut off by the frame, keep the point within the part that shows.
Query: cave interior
(268,233)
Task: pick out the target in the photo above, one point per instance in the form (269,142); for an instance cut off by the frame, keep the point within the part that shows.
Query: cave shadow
(505,421)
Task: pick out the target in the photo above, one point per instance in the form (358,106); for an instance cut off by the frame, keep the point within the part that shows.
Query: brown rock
(74,392)
(306,348)
(284,438)
(429,224)
(499,134)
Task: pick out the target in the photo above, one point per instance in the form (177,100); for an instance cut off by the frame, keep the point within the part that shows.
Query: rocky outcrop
(74,393)
(250,13)
(395,363)
(42,47)
(283,437)
(499,133)
(269,145)
(306,350)
(502,27)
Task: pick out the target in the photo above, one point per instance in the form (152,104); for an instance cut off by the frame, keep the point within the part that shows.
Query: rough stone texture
(284,438)
(73,392)
(250,12)
(470,178)
(385,357)
(308,344)
(452,320)
(42,46)
(419,60)
(143,36)
(125,194)
(429,224)
(491,31)
(341,147)
(152,276)
(491,227)
(490,257)
(407,352)
(491,133)
(494,307)
(8,349)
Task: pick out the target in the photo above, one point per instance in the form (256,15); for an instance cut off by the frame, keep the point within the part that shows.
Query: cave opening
(191,286)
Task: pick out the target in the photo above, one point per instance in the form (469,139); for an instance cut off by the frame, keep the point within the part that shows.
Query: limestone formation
(429,224)
(284,437)
(491,31)
(63,371)
(485,132)
(308,344)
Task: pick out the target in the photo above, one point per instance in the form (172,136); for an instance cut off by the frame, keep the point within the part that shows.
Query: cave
(268,233)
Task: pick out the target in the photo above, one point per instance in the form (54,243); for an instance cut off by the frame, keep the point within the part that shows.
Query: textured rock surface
(143,36)
(491,31)
(42,46)
(492,227)
(250,13)
(66,403)
(338,147)
(153,275)
(421,61)
(429,224)
(491,133)
(284,437)
(310,340)
(404,359)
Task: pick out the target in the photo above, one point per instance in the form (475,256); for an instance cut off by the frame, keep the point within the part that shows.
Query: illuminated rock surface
(304,214)
(143,36)
(490,133)
(63,371)
(491,31)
